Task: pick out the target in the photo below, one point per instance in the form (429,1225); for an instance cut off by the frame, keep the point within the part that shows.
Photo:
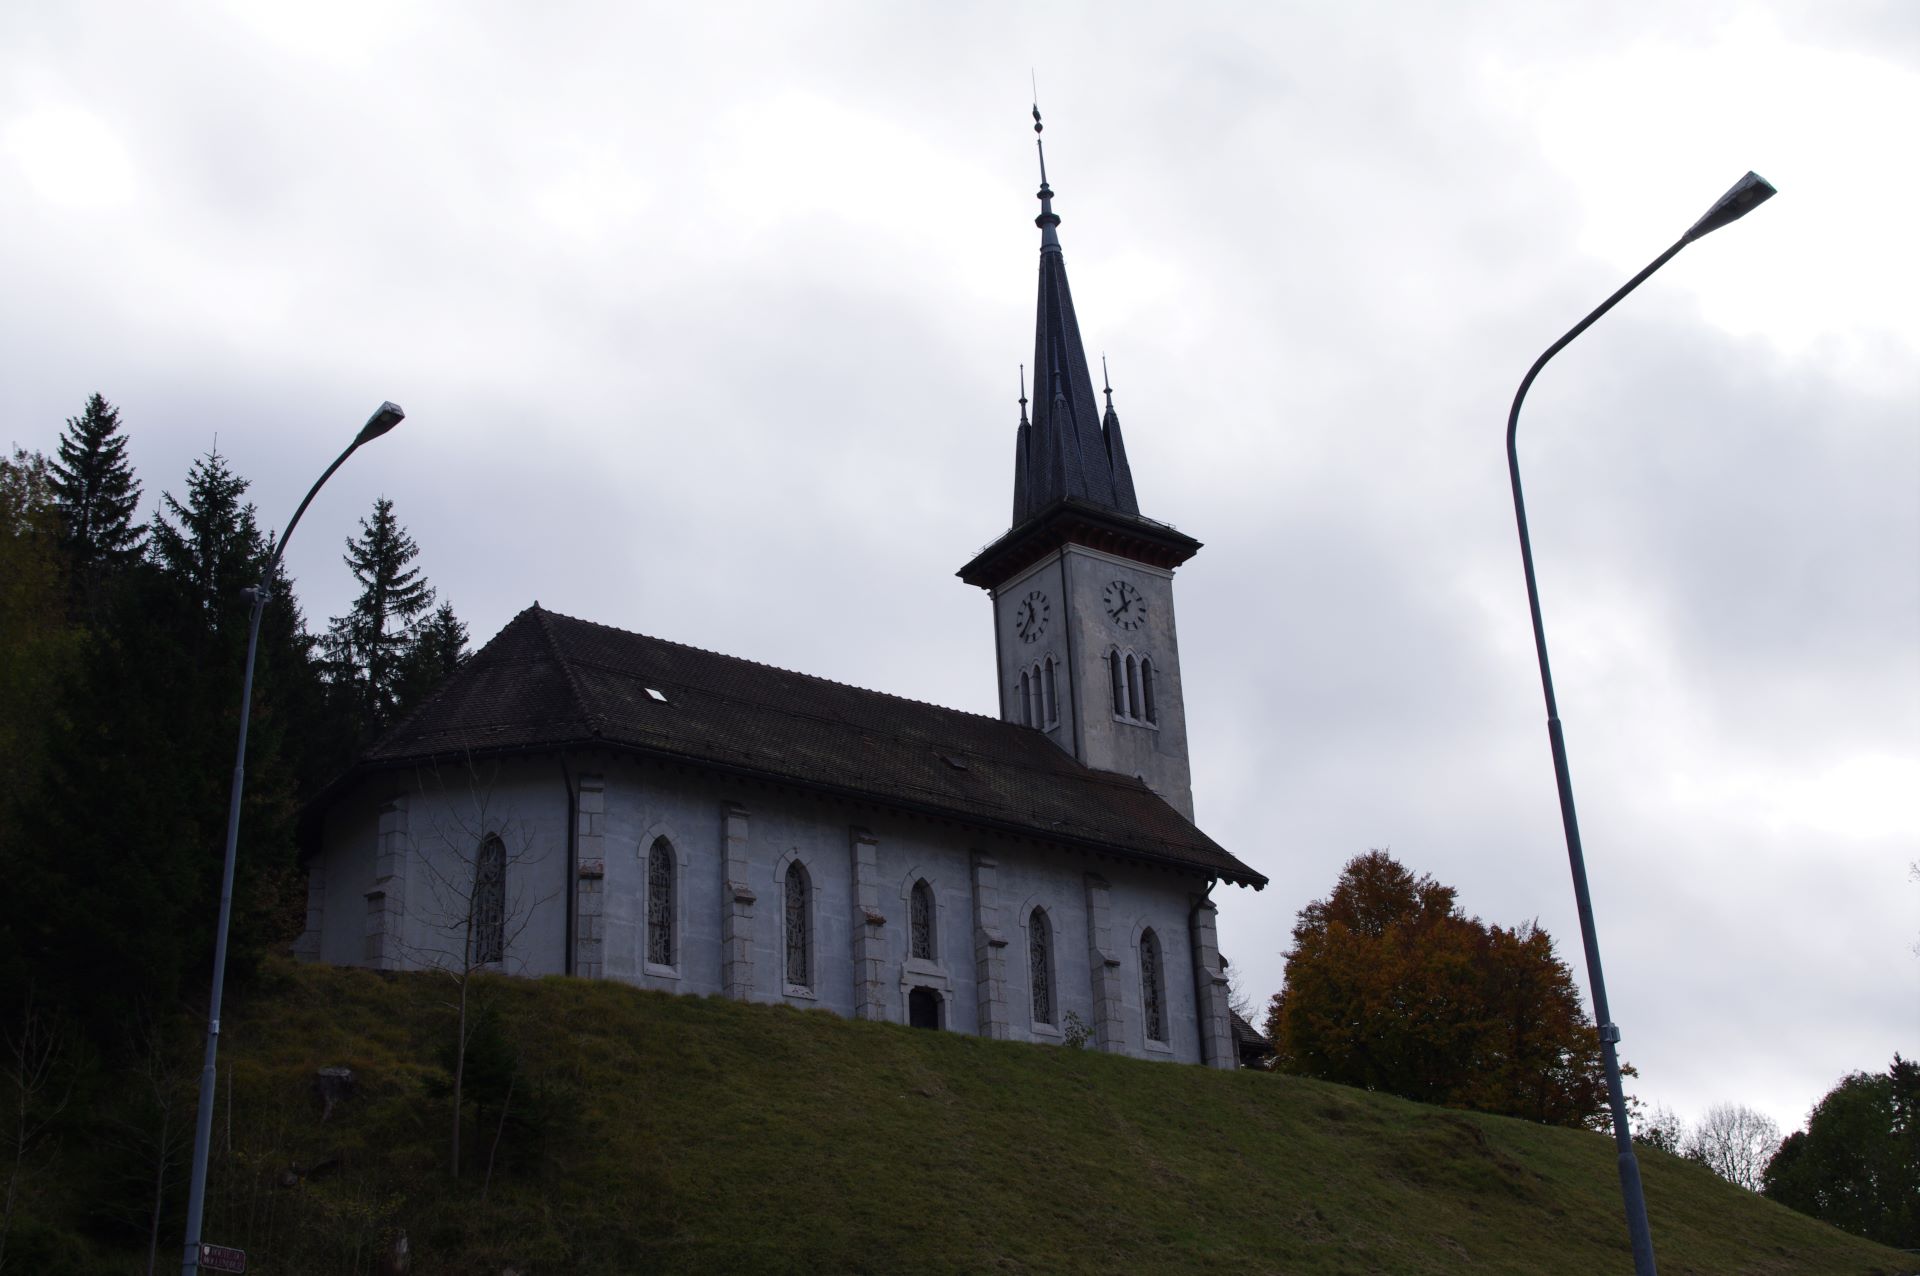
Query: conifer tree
(120,923)
(216,551)
(367,648)
(96,493)
(37,645)
(438,649)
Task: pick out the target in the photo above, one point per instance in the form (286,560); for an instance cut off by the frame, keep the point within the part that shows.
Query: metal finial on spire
(1106,382)
(1047,219)
(1023,394)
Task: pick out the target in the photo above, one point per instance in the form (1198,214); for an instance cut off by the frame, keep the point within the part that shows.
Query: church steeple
(1082,585)
(1067,451)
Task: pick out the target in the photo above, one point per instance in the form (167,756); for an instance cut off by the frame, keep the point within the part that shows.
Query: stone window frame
(914,881)
(1050,911)
(477,940)
(1037,692)
(809,991)
(1130,679)
(643,851)
(1140,928)
(919,972)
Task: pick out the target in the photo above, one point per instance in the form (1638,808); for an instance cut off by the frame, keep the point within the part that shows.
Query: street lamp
(385,417)
(1747,194)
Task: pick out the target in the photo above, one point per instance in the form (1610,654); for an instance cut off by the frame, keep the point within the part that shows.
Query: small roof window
(656,695)
(955,761)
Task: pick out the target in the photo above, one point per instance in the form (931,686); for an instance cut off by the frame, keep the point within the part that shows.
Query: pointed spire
(1069,453)
(1116,447)
(1022,446)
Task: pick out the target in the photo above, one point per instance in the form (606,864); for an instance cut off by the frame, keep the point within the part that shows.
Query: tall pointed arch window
(1153,990)
(799,927)
(1026,701)
(1134,697)
(660,903)
(1040,965)
(920,922)
(1049,703)
(488,907)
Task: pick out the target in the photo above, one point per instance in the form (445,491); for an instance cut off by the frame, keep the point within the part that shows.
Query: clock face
(1030,617)
(1125,605)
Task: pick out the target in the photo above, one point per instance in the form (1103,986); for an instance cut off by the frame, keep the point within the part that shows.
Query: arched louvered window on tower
(1133,687)
(920,922)
(799,927)
(1026,701)
(1040,965)
(1119,683)
(488,907)
(1146,689)
(1153,1013)
(1050,702)
(660,903)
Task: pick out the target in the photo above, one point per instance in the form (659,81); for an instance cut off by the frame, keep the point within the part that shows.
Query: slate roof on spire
(1068,452)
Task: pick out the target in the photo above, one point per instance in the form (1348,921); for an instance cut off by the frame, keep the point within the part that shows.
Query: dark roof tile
(549,681)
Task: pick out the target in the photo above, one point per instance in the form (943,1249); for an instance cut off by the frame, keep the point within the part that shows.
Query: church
(581,800)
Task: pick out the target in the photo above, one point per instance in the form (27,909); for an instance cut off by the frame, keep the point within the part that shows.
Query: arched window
(799,928)
(660,903)
(1119,683)
(1026,701)
(1152,991)
(920,922)
(489,903)
(1040,965)
(1133,688)
(1146,689)
(1051,704)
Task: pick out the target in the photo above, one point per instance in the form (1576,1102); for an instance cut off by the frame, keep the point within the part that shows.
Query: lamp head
(1747,194)
(385,417)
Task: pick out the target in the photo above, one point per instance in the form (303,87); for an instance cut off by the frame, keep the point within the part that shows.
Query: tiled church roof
(549,681)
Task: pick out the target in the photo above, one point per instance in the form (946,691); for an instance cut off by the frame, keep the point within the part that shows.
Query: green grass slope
(700,1135)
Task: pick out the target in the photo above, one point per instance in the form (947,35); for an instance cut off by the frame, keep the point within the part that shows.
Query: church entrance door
(923,1008)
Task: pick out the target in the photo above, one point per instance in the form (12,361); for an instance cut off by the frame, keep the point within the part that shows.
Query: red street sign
(222,1258)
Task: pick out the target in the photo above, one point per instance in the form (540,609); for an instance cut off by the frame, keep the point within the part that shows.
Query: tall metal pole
(384,418)
(1746,195)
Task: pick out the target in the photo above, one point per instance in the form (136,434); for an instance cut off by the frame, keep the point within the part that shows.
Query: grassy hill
(681,1134)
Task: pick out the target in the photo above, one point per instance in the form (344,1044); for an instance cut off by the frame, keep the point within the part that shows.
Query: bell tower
(1082,583)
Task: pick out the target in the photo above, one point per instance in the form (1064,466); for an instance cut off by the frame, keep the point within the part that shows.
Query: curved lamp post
(1747,194)
(384,418)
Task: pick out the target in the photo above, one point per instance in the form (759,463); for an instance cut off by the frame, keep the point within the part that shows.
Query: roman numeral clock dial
(1125,607)
(1031,616)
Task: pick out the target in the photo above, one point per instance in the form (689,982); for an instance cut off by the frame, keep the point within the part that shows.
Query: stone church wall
(390,890)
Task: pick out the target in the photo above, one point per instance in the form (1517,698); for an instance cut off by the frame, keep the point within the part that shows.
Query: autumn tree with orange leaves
(1390,986)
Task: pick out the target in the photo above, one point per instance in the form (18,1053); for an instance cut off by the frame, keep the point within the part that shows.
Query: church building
(581,800)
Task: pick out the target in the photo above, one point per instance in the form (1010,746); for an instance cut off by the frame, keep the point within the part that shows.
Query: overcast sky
(707,317)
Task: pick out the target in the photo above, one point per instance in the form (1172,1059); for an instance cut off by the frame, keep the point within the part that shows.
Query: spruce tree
(96,494)
(137,774)
(216,551)
(438,649)
(367,648)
